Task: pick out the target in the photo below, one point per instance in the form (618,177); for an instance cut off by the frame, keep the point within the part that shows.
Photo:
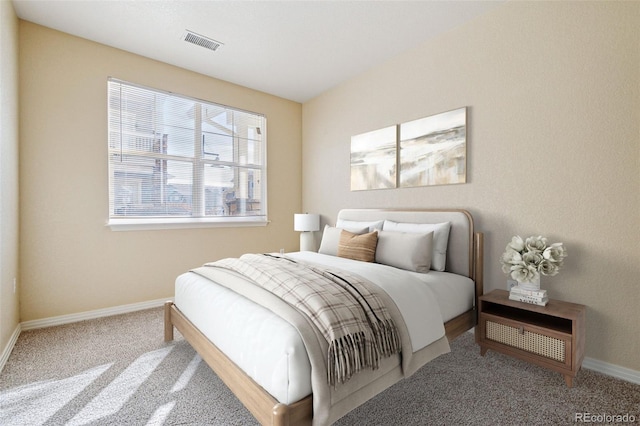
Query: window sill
(183,223)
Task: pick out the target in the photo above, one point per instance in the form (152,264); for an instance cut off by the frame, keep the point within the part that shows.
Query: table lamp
(307,224)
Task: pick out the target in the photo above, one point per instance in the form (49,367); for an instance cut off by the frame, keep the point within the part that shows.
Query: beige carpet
(118,371)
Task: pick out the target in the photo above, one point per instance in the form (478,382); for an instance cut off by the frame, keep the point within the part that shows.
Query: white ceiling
(292,49)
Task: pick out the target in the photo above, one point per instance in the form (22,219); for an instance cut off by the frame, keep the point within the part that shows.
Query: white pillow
(440,238)
(331,238)
(405,250)
(356,224)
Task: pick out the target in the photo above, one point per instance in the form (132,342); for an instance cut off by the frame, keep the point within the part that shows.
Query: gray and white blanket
(357,326)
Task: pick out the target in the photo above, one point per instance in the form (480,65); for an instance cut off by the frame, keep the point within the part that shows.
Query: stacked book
(536,297)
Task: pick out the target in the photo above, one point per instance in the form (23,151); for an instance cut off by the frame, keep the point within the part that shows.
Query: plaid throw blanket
(352,319)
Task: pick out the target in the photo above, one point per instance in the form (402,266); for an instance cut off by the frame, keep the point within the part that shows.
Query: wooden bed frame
(264,407)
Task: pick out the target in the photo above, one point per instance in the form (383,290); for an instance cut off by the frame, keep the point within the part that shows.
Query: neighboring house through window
(175,160)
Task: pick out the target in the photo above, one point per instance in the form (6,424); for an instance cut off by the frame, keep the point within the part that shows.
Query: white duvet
(271,351)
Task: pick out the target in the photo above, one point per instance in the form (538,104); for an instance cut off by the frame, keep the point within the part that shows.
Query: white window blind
(177,159)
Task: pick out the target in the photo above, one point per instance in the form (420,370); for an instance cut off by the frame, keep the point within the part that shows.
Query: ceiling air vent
(203,41)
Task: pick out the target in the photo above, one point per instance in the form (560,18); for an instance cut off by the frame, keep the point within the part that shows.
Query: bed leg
(478,272)
(280,415)
(168,325)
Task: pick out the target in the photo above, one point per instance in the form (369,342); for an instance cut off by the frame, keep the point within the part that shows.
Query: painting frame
(433,150)
(374,159)
(428,151)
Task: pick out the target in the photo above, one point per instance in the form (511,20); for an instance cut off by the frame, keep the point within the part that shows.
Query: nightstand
(552,336)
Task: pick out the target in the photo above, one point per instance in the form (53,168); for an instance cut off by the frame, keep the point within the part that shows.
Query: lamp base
(307,241)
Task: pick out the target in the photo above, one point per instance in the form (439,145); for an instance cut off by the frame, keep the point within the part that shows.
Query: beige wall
(69,261)
(9,315)
(553,97)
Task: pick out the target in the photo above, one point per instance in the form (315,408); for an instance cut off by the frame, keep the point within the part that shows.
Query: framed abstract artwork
(423,152)
(373,159)
(433,150)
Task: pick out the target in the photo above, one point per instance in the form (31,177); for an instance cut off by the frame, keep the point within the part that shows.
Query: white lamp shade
(306,222)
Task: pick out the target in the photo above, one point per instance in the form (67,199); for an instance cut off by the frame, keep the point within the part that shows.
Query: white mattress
(271,351)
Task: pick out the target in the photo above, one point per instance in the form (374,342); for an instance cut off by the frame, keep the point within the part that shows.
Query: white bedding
(271,351)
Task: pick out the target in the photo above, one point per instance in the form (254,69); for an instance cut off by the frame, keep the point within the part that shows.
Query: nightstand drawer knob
(521,330)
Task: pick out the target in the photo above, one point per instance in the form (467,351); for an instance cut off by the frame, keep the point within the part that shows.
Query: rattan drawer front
(539,344)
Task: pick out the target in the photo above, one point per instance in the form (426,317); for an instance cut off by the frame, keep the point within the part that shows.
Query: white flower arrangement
(525,260)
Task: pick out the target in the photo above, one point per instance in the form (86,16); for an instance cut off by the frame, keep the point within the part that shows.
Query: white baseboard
(4,356)
(68,319)
(606,368)
(98,313)
(612,370)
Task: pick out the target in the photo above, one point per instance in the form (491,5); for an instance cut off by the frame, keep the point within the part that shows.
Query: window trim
(163,223)
(184,223)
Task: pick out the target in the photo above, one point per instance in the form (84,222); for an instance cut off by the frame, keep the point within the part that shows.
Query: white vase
(534,284)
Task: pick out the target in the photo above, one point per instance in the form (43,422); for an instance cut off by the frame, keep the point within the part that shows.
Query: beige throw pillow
(358,246)
(331,239)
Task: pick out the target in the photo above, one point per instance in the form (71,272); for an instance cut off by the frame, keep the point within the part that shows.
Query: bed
(275,363)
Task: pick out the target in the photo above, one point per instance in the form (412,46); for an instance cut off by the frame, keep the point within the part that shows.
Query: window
(178,160)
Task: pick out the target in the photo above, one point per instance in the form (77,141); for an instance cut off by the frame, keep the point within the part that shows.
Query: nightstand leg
(483,350)
(568,380)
